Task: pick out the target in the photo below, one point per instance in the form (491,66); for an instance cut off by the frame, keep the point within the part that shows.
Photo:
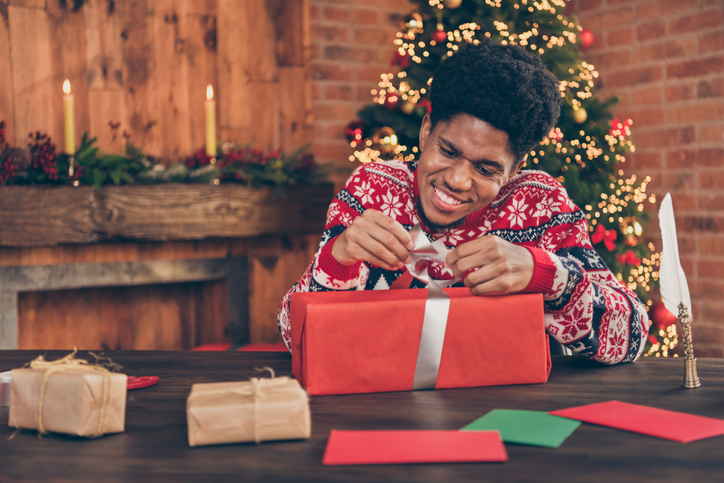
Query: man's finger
(470,262)
(465,252)
(477,277)
(392,243)
(371,258)
(395,228)
(381,252)
(491,287)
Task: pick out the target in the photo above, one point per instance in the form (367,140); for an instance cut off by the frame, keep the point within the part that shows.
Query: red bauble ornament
(391,102)
(586,38)
(439,36)
(608,237)
(355,131)
(619,128)
(400,59)
(660,316)
(425,104)
(629,257)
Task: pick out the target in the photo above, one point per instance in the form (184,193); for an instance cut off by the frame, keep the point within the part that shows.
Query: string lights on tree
(586,151)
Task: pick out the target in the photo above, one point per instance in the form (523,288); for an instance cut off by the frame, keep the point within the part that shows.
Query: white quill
(674,289)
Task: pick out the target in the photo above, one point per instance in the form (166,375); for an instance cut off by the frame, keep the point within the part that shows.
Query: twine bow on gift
(437,307)
(67,363)
(258,390)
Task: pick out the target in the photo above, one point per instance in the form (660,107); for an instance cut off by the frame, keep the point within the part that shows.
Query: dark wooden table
(154,446)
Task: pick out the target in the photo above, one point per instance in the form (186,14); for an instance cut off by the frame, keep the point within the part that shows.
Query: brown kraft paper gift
(79,400)
(255,410)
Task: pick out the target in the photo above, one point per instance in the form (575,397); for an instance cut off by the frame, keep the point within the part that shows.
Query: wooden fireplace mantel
(97,268)
(34,216)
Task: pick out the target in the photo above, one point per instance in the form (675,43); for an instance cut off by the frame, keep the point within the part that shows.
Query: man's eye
(483,170)
(447,152)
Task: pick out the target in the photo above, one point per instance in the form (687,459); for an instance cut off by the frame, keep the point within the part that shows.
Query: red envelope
(389,447)
(660,423)
(368,341)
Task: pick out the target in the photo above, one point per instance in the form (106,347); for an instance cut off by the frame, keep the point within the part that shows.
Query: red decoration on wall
(439,36)
(619,128)
(391,102)
(629,257)
(403,60)
(587,38)
(608,237)
(660,317)
(7,166)
(425,104)
(354,131)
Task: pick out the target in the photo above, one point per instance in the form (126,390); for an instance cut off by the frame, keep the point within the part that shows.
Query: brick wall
(663,58)
(351,47)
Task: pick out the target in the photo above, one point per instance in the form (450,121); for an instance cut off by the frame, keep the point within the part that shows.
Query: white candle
(68,120)
(210,122)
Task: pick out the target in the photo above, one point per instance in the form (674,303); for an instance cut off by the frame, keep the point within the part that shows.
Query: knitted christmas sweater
(586,308)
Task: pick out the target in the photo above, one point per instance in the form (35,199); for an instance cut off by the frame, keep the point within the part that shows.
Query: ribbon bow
(629,257)
(608,237)
(437,307)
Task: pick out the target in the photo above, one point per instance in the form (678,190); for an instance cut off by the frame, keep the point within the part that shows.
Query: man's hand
(376,238)
(503,266)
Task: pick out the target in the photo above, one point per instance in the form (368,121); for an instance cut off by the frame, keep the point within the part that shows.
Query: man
(508,231)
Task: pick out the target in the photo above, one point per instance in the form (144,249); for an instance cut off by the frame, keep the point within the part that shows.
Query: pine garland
(89,166)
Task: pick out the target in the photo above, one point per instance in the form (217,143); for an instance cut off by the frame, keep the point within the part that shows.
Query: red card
(414,446)
(660,423)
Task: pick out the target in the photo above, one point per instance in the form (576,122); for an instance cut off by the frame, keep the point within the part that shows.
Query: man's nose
(459,176)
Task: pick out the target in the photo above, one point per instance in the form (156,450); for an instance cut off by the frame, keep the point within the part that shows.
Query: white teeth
(446,198)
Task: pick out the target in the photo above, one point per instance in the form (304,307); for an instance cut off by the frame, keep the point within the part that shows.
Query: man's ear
(425,129)
(518,167)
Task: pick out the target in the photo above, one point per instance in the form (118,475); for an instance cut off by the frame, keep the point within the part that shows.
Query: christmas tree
(586,150)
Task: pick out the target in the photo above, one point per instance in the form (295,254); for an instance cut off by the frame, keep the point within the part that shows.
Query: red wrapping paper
(368,341)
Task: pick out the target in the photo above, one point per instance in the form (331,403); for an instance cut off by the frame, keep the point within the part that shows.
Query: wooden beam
(6,79)
(289,30)
(31,71)
(135,18)
(172,77)
(104,66)
(294,129)
(47,216)
(232,25)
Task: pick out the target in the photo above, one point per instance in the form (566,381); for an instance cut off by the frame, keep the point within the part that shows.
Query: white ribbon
(437,307)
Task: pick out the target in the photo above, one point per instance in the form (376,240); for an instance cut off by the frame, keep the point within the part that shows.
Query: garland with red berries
(41,164)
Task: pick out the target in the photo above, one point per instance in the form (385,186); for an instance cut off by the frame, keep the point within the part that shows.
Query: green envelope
(526,427)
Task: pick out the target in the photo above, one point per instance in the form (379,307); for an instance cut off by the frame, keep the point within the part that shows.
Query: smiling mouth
(445,202)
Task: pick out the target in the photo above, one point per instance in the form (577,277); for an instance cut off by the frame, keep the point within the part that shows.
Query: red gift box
(368,341)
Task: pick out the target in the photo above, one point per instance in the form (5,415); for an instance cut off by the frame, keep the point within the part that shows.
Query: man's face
(463,165)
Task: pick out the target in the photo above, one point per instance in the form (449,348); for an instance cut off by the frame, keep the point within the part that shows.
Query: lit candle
(210,122)
(68,119)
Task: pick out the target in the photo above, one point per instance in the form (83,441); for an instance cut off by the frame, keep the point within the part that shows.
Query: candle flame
(66,87)
(209,92)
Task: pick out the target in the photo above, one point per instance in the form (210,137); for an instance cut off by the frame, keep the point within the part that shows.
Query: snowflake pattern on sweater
(586,308)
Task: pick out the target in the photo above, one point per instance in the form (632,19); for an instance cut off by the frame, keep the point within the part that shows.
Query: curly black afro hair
(501,84)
